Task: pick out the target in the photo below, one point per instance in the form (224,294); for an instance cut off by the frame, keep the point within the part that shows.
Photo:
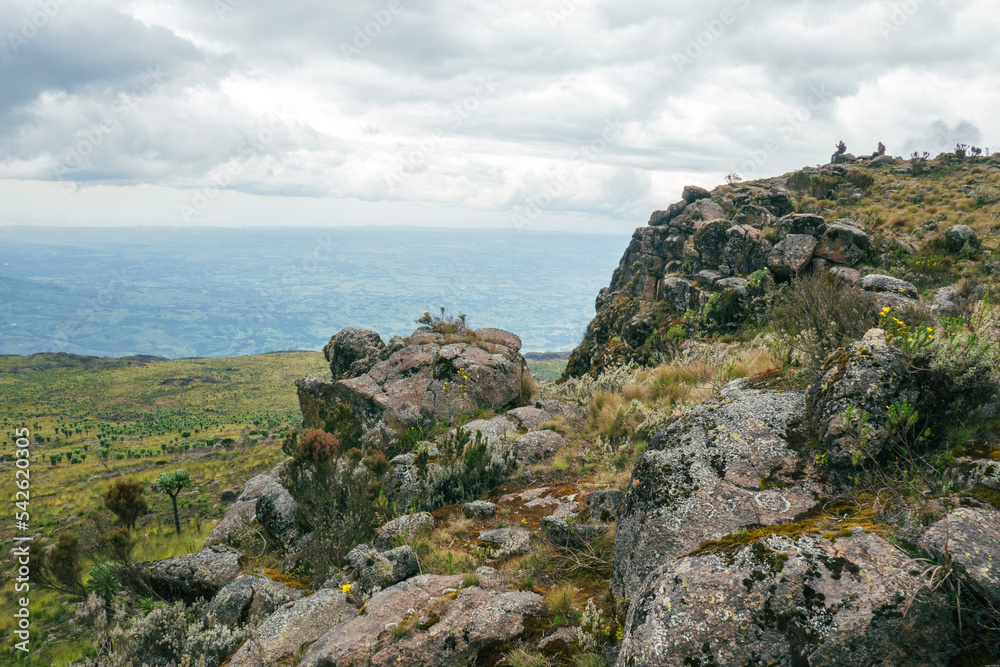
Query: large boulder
(969,539)
(434,378)
(193,576)
(605,505)
(243,509)
(352,352)
(693,193)
(536,445)
(791,255)
(790,601)
(802,223)
(710,241)
(250,596)
(746,251)
(721,466)
(877,282)
(278,640)
(843,243)
(427,620)
(276,513)
(376,570)
(510,540)
(571,535)
(664,217)
(528,417)
(862,379)
(962,238)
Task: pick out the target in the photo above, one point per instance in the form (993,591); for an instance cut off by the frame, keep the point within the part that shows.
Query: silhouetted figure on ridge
(841,149)
(880,151)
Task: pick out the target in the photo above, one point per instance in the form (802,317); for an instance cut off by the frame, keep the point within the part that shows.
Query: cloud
(481,104)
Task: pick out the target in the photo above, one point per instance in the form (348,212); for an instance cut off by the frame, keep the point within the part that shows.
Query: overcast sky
(526,113)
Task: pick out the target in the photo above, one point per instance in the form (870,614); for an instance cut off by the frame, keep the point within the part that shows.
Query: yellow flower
(910,340)
(930,330)
(346,588)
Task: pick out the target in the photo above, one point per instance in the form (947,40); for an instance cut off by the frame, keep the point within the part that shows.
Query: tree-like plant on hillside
(125,500)
(171,483)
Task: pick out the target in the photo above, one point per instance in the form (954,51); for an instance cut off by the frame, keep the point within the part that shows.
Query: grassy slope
(148,405)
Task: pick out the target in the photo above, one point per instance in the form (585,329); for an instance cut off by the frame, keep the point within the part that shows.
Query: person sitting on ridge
(841,149)
(880,151)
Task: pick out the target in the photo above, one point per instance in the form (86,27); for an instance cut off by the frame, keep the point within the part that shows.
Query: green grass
(139,406)
(547,366)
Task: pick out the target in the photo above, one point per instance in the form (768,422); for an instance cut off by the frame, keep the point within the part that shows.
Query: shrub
(860,178)
(443,324)
(817,314)
(102,581)
(316,446)
(125,500)
(466,469)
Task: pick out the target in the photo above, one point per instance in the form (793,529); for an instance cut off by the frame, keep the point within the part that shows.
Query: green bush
(466,469)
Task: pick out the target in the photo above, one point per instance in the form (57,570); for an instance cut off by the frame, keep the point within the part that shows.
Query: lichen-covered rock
(781,601)
(843,243)
(479,509)
(865,377)
(962,238)
(404,526)
(664,217)
(847,274)
(499,337)
(403,484)
(560,409)
(276,513)
(710,241)
(721,466)
(791,255)
(536,445)
(429,380)
(802,223)
(492,429)
(443,628)
(529,417)
(571,535)
(877,282)
(605,505)
(968,538)
(693,193)
(250,596)
(746,250)
(510,540)
(376,570)
(193,576)
(242,510)
(352,352)
(284,633)
(945,301)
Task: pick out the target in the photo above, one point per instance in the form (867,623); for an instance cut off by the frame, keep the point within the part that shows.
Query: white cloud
(407,118)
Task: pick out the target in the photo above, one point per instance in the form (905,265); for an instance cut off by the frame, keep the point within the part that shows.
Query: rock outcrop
(430,378)
(192,577)
(809,600)
(720,467)
(968,539)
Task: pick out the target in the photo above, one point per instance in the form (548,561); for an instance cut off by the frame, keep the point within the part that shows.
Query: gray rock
(605,505)
(404,526)
(241,511)
(877,282)
(445,629)
(352,352)
(250,596)
(276,513)
(528,417)
(558,408)
(376,570)
(970,539)
(536,445)
(677,292)
(746,251)
(738,285)
(802,223)
(428,381)
(962,238)
(693,193)
(228,496)
(867,375)
(491,429)
(486,570)
(281,636)
(783,601)
(561,640)
(510,540)
(852,276)
(720,466)
(792,255)
(193,576)
(500,337)
(478,509)
(707,278)
(571,535)
(945,301)
(754,216)
(710,241)
(882,161)
(664,217)
(403,484)
(843,243)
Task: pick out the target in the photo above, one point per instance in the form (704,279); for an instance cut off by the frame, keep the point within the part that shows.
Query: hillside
(778,443)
